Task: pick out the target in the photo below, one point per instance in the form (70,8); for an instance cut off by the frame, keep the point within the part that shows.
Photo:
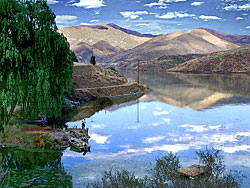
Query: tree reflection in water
(30,168)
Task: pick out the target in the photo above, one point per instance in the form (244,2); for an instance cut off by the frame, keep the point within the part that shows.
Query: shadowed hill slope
(236,60)
(237,39)
(105,47)
(83,52)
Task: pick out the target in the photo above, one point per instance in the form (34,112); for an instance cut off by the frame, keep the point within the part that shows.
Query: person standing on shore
(83,123)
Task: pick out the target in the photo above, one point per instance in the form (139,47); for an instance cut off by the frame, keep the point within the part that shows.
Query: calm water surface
(183,113)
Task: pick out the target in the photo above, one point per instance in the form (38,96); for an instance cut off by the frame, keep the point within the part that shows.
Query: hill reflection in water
(196,91)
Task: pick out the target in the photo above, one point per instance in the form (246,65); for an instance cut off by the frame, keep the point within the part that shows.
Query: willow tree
(35,60)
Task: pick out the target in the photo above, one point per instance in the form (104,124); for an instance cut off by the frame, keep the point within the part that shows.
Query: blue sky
(156,16)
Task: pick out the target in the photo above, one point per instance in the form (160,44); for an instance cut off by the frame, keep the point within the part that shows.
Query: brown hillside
(237,60)
(105,47)
(93,34)
(94,81)
(83,52)
(236,39)
(163,63)
(197,41)
(89,76)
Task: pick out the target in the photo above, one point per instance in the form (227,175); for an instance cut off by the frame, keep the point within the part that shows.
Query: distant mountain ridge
(84,51)
(237,39)
(114,45)
(91,34)
(131,32)
(196,41)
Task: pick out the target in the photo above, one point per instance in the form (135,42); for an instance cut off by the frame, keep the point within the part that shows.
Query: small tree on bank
(35,60)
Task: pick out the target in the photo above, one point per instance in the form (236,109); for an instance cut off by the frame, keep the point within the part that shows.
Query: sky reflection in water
(118,140)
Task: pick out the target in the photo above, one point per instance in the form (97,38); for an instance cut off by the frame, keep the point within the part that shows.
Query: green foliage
(35,60)
(121,179)
(15,136)
(165,174)
(32,168)
(215,172)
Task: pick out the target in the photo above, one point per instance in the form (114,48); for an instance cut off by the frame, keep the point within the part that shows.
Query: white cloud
(195,128)
(231,7)
(197,3)
(233,149)
(150,26)
(135,127)
(175,14)
(133,15)
(202,128)
(163,7)
(157,124)
(244,7)
(239,18)
(90,4)
(248,27)
(217,127)
(222,138)
(173,1)
(94,21)
(170,148)
(84,23)
(160,113)
(66,20)
(71,1)
(52,2)
(99,139)
(206,18)
(163,3)
(167,120)
(97,126)
(97,12)
(160,3)
(151,140)
(236,7)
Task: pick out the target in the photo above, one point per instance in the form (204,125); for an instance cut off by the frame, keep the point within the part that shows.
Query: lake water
(182,113)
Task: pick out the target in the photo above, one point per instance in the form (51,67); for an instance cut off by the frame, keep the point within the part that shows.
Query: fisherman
(83,123)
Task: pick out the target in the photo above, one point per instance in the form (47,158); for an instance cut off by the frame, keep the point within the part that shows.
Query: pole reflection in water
(138,110)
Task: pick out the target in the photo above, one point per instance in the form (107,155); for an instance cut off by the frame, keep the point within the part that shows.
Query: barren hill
(131,32)
(237,39)
(94,81)
(236,60)
(83,52)
(105,47)
(158,64)
(93,34)
(197,41)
